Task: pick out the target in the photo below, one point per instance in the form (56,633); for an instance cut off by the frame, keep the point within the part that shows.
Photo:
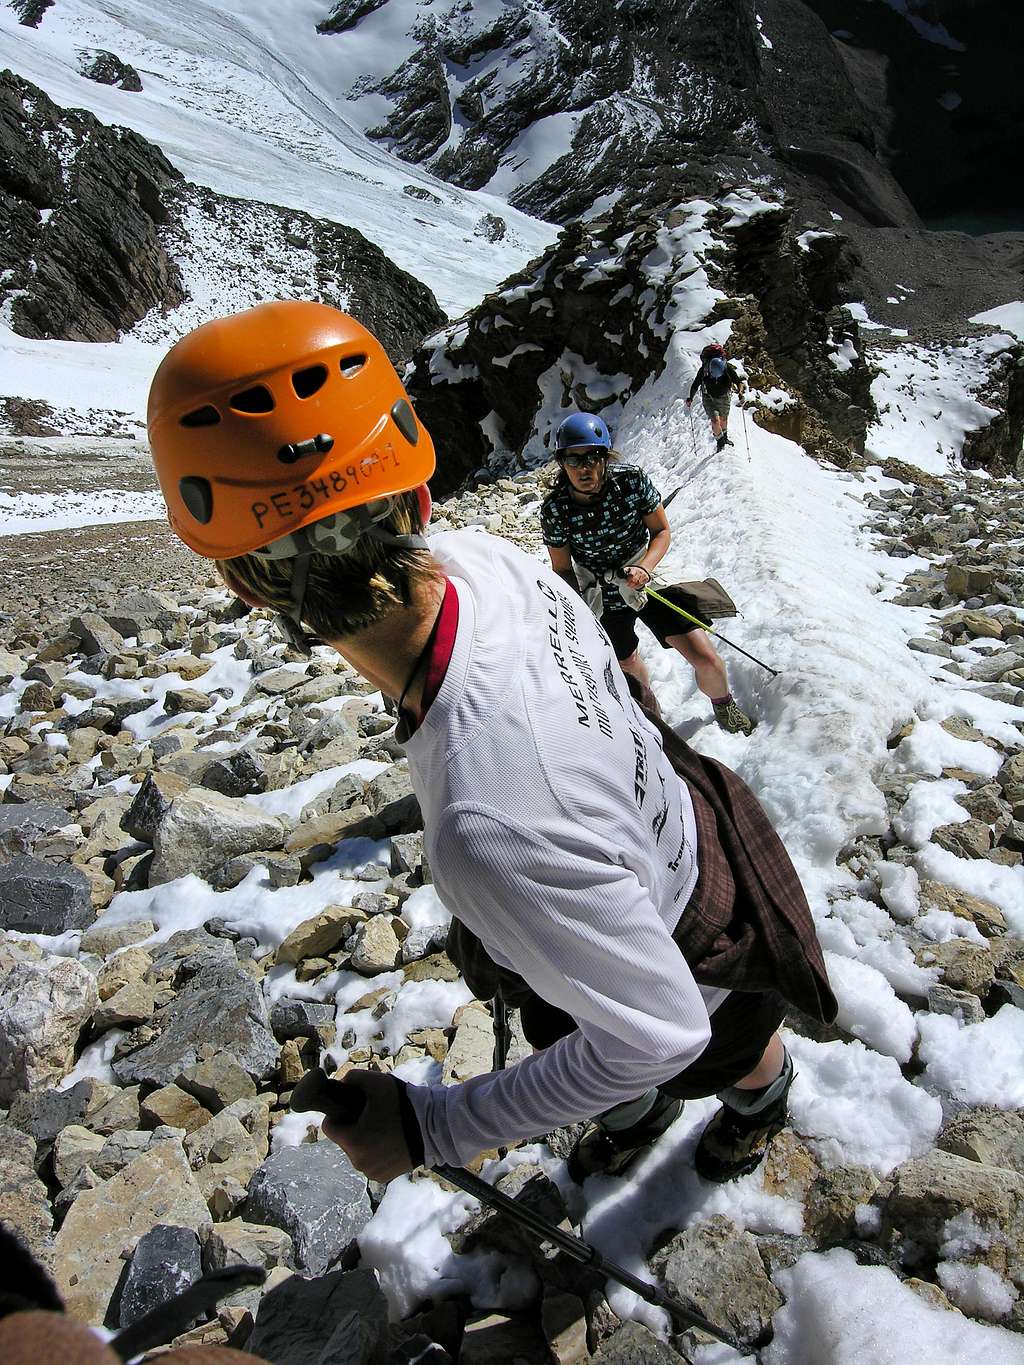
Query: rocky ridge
(592,321)
(169,1130)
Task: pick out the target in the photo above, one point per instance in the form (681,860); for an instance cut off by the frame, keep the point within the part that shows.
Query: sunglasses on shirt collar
(585,455)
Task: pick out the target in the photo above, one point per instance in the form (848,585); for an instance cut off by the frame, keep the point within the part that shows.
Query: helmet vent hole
(257,399)
(351,364)
(306,382)
(207,416)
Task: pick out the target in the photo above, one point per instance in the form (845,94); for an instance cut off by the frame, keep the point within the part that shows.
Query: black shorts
(741,1029)
(660,620)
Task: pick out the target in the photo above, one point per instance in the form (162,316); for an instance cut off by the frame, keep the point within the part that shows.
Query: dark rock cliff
(85,203)
(100,222)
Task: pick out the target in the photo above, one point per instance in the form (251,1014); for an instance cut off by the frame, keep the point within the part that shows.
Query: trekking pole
(704,626)
(315,1091)
(746,438)
(502,1033)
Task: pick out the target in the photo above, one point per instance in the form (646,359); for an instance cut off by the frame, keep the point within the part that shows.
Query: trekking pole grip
(318,1093)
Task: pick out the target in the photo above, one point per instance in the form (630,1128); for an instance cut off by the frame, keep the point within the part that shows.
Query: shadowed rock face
(99,219)
(85,203)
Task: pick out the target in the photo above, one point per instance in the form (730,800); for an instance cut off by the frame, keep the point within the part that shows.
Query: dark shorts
(741,1029)
(660,620)
(716,404)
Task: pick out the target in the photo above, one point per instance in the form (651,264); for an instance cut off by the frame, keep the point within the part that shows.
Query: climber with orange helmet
(560,821)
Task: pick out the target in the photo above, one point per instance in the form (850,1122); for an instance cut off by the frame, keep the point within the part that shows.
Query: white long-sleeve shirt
(558,833)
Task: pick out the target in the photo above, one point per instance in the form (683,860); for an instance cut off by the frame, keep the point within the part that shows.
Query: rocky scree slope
(105,233)
(152,1029)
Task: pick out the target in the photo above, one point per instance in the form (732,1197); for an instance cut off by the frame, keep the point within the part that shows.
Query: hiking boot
(731,719)
(733,1144)
(721,441)
(603,1151)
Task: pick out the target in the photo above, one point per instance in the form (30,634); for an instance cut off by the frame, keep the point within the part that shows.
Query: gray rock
(634,1344)
(41,898)
(237,1242)
(202,830)
(96,634)
(217,1081)
(993,1137)
(43,1006)
(336,1319)
(142,610)
(219,1009)
(300,1018)
(151,804)
(24,1205)
(45,1112)
(943,999)
(391,798)
(716,1267)
(238,774)
(315,1195)
(21,827)
(424,941)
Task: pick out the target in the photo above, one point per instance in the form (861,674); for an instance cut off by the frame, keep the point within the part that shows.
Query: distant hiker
(716,378)
(604,523)
(562,824)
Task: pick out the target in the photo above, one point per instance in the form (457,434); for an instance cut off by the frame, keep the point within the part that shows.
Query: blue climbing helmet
(716,367)
(582,429)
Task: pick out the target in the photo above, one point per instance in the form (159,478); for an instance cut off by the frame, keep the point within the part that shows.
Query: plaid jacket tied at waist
(747,925)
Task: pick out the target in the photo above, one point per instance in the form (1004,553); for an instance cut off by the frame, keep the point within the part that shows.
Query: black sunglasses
(592,456)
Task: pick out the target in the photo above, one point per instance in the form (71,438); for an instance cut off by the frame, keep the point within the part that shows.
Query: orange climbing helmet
(277,419)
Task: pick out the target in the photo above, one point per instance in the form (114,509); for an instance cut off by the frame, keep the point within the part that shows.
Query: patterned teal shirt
(605,534)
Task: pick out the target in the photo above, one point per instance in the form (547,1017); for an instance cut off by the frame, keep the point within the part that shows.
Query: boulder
(833,1199)
(202,830)
(133,1004)
(74,1147)
(43,1006)
(237,1242)
(964,966)
(21,827)
(320,934)
(300,1018)
(336,1319)
(102,939)
(217,1081)
(44,898)
(472,1049)
(376,947)
(24,1204)
(97,636)
(717,1268)
(219,1009)
(151,804)
(938,896)
(634,1344)
(314,1194)
(391,798)
(157,1187)
(993,1137)
(173,1107)
(167,1260)
(923,1194)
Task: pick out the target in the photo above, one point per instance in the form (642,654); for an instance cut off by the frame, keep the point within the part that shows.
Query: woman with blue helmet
(716,379)
(604,524)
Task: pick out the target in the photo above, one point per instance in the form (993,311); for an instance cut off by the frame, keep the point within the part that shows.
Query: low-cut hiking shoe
(602,1151)
(732,720)
(734,1144)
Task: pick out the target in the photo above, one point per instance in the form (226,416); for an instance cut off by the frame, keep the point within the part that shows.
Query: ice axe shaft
(342,1103)
(651,592)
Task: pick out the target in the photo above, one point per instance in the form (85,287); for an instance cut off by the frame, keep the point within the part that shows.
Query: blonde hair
(345,593)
